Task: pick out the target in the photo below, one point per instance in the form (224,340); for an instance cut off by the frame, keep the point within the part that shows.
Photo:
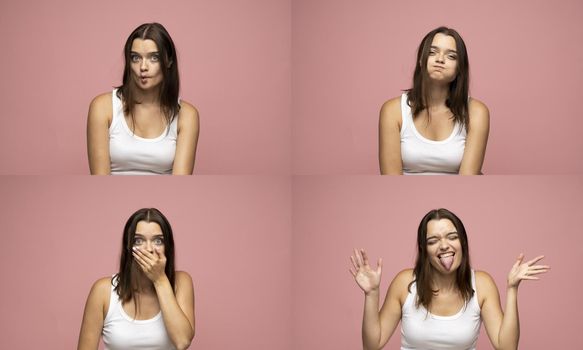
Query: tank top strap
(117,109)
(406,117)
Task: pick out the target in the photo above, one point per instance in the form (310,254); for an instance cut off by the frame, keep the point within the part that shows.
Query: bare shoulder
(479,112)
(188,116)
(403,279)
(188,111)
(101,107)
(100,290)
(485,285)
(183,278)
(391,112)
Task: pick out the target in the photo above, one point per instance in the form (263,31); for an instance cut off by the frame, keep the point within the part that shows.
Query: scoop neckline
(132,134)
(435,142)
(128,318)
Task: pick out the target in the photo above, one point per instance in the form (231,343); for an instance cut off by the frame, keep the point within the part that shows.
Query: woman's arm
(94,315)
(503,328)
(98,121)
(188,127)
(377,327)
(177,309)
(476,140)
(390,138)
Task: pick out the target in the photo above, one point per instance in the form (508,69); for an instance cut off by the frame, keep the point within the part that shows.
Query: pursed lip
(439,67)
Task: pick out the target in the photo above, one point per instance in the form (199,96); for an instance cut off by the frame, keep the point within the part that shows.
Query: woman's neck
(148,97)
(444,283)
(437,95)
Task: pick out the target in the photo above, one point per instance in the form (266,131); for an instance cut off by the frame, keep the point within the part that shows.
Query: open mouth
(446,260)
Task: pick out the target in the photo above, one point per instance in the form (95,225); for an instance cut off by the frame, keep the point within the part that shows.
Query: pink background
(350,56)
(232,234)
(234,62)
(503,216)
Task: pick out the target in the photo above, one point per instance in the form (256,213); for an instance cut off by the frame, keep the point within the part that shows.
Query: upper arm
(390,313)
(188,127)
(185,296)
(390,138)
(476,140)
(94,315)
(98,121)
(491,310)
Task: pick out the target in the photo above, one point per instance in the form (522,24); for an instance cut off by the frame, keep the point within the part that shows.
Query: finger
(535,260)
(159,252)
(529,278)
(356,267)
(380,266)
(357,257)
(141,263)
(353,273)
(364,257)
(518,260)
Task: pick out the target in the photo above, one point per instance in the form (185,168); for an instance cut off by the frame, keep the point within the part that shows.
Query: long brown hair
(457,100)
(126,277)
(423,268)
(170,85)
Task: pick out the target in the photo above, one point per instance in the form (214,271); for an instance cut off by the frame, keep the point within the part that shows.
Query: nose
(443,245)
(144,65)
(149,246)
(440,57)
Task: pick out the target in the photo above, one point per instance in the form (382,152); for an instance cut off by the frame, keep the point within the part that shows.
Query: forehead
(148,228)
(444,41)
(144,46)
(440,227)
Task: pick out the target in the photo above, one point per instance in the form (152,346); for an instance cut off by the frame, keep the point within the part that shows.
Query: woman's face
(444,249)
(149,237)
(145,64)
(442,60)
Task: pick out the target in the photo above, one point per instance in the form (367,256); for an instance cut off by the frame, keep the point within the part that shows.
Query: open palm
(366,278)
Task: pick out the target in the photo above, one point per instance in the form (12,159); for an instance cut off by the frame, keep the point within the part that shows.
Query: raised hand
(367,279)
(525,270)
(152,264)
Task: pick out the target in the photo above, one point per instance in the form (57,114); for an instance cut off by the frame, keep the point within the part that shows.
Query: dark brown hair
(126,277)
(170,85)
(423,268)
(457,100)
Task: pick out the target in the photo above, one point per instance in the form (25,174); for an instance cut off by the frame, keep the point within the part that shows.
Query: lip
(439,67)
(441,254)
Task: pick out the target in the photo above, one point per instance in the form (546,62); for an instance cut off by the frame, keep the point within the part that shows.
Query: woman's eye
(155,58)
(158,241)
(135,58)
(452,57)
(453,238)
(431,242)
(138,241)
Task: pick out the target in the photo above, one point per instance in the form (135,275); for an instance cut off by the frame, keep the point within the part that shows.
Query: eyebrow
(147,53)
(447,234)
(447,50)
(141,235)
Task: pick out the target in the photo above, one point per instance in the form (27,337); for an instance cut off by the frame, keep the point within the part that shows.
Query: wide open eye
(135,58)
(138,241)
(158,241)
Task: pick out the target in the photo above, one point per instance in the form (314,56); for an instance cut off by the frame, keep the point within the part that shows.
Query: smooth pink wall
(234,62)
(232,234)
(349,57)
(503,216)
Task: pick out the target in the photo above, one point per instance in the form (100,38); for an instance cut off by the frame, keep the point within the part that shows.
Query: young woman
(142,128)
(435,128)
(442,301)
(146,305)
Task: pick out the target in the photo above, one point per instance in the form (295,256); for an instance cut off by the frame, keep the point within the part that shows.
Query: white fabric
(121,332)
(134,155)
(422,156)
(423,330)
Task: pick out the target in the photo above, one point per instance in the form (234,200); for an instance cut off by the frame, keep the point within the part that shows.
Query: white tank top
(121,332)
(134,155)
(422,156)
(423,330)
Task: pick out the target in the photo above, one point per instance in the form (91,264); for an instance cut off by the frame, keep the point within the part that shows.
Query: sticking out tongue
(446,261)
